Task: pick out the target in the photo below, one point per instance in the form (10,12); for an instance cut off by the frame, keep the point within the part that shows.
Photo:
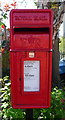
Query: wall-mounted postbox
(31,58)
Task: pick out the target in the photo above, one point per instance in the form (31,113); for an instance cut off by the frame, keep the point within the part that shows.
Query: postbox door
(32,80)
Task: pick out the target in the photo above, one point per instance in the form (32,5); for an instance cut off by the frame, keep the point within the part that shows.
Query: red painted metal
(31,42)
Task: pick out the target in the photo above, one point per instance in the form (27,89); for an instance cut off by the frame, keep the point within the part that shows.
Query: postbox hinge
(51,50)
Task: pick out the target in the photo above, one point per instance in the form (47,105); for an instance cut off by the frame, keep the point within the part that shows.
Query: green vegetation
(7,111)
(62,45)
(57,109)
(55,112)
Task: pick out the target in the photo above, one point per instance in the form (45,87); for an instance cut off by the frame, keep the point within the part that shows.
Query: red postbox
(31,58)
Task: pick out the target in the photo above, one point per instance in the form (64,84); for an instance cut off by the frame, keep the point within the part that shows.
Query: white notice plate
(31,75)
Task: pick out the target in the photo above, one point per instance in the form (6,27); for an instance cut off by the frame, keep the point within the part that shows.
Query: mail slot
(31,58)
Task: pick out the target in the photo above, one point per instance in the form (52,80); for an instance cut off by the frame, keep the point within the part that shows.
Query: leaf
(2,95)
(5,88)
(1,79)
(7,84)
(5,116)
(0,113)
(4,105)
